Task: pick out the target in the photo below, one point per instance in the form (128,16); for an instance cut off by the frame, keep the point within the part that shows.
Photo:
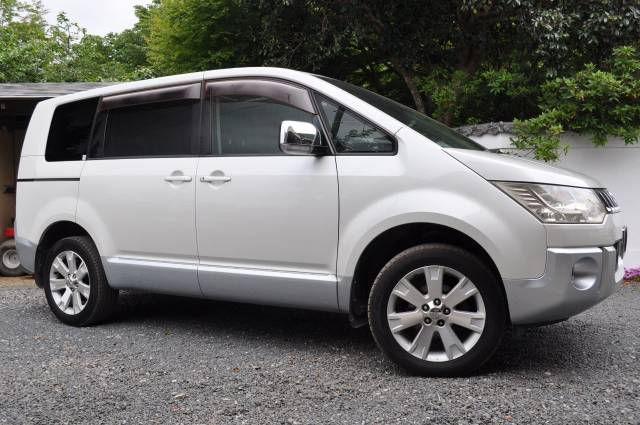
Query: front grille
(608,200)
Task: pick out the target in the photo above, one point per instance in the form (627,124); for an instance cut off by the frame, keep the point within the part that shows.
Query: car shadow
(213,317)
(543,349)
(561,348)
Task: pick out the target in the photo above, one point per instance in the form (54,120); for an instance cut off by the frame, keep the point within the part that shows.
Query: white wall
(616,166)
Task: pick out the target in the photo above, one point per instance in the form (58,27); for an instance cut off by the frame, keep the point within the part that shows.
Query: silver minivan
(272,186)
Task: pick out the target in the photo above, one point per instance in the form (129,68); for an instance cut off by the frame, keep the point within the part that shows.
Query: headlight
(557,204)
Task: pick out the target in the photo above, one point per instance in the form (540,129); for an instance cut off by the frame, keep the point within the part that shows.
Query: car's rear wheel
(437,310)
(10,265)
(75,284)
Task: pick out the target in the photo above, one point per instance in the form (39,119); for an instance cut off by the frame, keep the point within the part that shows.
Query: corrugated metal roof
(44,90)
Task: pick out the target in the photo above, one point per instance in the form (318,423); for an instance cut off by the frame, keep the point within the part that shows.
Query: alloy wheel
(69,282)
(435,313)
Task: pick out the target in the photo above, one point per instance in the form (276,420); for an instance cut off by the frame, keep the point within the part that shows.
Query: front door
(137,190)
(267,222)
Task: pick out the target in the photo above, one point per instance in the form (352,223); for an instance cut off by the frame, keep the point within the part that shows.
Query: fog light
(585,273)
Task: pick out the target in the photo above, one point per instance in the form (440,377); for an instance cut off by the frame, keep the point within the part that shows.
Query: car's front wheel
(437,310)
(75,284)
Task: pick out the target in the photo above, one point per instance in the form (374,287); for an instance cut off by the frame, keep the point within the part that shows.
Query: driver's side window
(244,116)
(352,134)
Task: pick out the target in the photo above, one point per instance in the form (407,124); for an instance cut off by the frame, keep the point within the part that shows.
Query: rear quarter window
(70,130)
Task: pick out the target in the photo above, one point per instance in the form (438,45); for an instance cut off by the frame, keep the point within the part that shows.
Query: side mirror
(301,138)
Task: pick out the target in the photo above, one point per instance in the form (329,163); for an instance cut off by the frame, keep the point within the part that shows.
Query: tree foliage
(597,101)
(25,49)
(34,51)
(462,61)
(190,35)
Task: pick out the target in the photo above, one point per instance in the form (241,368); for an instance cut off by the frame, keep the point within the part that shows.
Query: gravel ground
(175,360)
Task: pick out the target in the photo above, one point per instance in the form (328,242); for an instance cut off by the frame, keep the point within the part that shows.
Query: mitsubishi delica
(278,187)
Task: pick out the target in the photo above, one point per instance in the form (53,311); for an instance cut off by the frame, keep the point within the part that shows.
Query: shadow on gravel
(213,317)
(562,348)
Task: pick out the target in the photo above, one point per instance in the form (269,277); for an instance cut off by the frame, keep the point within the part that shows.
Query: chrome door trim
(315,291)
(268,273)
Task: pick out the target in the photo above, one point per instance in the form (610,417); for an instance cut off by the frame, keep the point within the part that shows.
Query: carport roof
(43,90)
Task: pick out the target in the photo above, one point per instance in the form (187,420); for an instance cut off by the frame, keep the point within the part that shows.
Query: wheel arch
(394,240)
(53,233)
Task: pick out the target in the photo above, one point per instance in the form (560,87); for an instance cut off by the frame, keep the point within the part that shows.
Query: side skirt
(153,276)
(255,286)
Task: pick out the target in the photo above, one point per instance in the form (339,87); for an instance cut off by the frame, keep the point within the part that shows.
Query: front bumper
(574,280)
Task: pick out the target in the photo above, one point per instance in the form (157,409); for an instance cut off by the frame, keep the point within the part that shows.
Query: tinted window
(70,129)
(155,129)
(250,125)
(428,127)
(351,134)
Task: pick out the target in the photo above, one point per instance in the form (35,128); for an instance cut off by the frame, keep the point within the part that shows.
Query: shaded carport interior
(17,102)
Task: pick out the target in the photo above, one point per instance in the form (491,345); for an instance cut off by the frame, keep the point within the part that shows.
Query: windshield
(430,128)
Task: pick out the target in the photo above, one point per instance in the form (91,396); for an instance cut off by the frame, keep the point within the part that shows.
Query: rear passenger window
(156,123)
(157,129)
(352,134)
(70,130)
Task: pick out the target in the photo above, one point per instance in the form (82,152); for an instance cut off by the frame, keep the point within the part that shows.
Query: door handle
(211,179)
(173,179)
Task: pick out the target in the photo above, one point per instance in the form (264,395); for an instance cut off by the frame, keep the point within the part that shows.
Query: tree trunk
(409,79)
(447,118)
(469,61)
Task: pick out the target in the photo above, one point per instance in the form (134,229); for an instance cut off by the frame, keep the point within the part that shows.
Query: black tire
(8,250)
(452,257)
(102,298)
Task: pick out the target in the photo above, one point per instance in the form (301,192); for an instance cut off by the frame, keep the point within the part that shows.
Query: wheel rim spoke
(422,342)
(71,262)
(405,290)
(453,347)
(405,320)
(83,288)
(463,290)
(471,320)
(57,284)
(65,299)
(60,266)
(433,275)
(82,271)
(77,303)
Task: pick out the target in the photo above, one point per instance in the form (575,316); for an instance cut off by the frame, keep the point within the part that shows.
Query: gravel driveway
(175,360)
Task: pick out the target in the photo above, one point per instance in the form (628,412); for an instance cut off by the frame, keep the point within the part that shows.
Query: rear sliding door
(137,190)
